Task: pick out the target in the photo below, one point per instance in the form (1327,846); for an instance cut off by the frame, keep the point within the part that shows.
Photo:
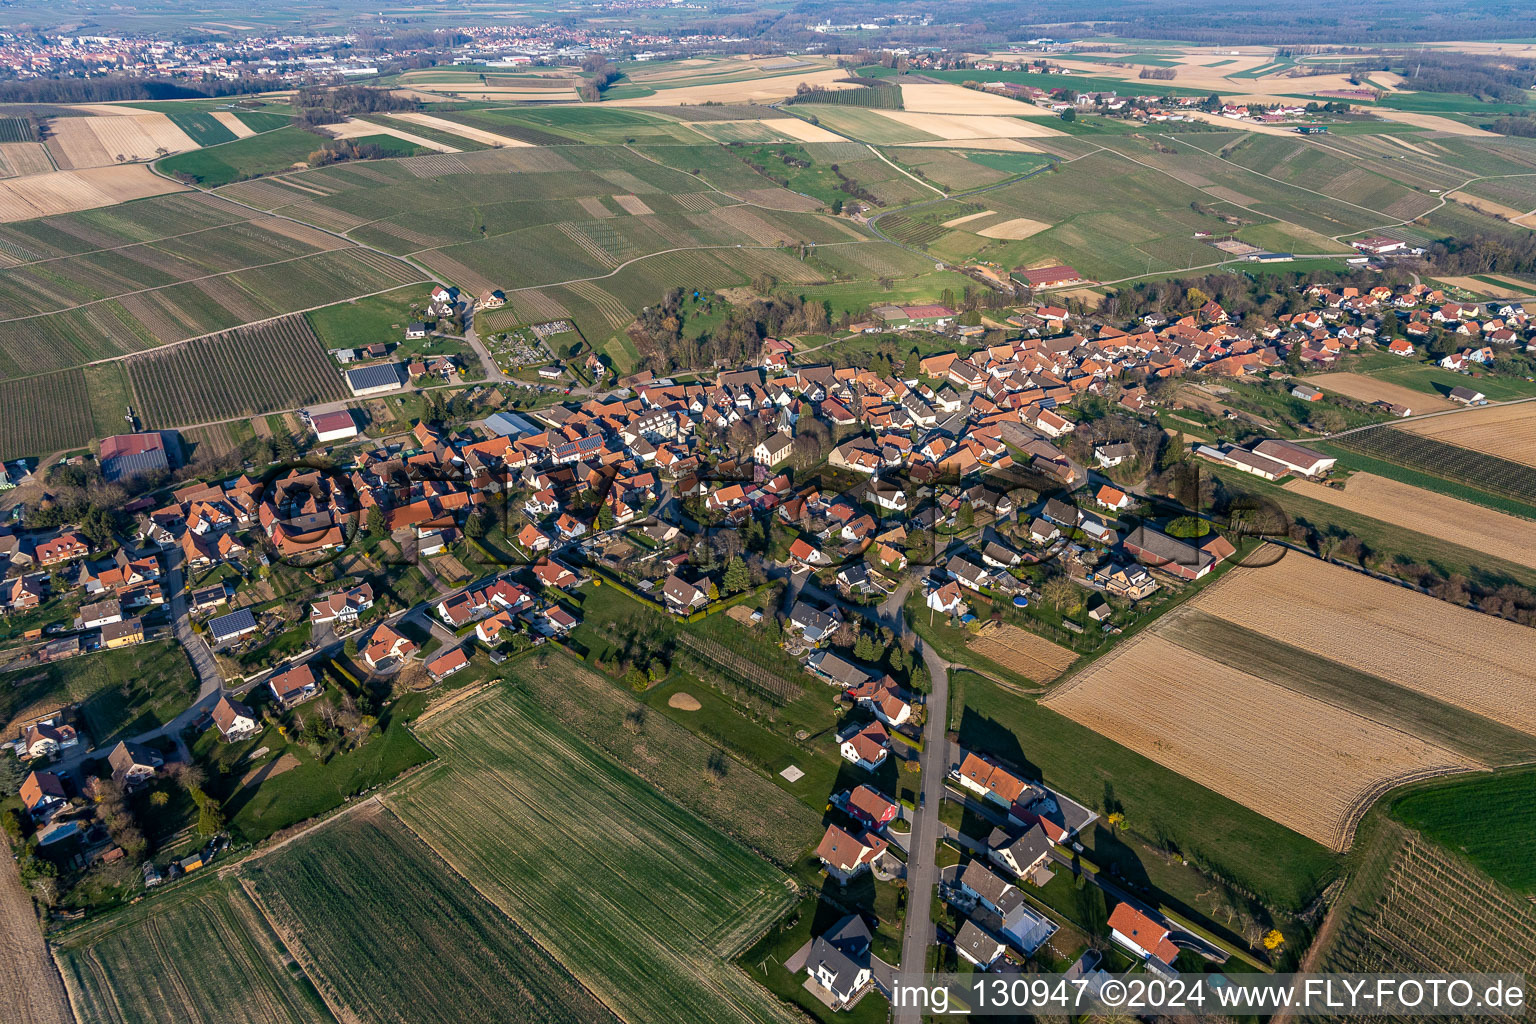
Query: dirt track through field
(1459,522)
(30,989)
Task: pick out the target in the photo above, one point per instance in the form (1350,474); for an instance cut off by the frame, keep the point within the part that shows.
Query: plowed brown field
(1307,764)
(1474,661)
(1021,651)
(1504,431)
(1459,522)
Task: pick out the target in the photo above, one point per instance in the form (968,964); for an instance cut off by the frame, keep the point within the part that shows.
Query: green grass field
(365,321)
(531,812)
(267,153)
(659,747)
(1281,866)
(202,952)
(1484,818)
(312,787)
(367,906)
(203,129)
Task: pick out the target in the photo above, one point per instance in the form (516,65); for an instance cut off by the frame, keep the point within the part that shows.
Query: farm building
(1160,551)
(1467,396)
(1378,246)
(1294,457)
(375,380)
(333,426)
(126,455)
(1050,277)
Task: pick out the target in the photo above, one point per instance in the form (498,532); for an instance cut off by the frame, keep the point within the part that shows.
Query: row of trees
(319,105)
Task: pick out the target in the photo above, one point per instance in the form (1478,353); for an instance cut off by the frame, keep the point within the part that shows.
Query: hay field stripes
(1311,766)
(1437,515)
(202,956)
(688,898)
(1505,432)
(1473,661)
(363,882)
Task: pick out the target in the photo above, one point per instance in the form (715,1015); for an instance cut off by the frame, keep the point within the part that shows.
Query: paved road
(922,864)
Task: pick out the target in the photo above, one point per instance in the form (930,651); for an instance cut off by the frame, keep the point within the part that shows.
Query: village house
(42,794)
(447,663)
(865,746)
(839,962)
(846,856)
(385,646)
(1143,938)
(234,720)
(978,946)
(48,738)
(871,807)
(343,608)
(682,597)
(133,764)
(293,686)
(991,781)
(1023,855)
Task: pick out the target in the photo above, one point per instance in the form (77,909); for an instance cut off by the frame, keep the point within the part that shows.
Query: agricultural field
(528,812)
(1365,388)
(1438,515)
(121,693)
(1478,663)
(266,153)
(202,955)
(28,976)
(1018,650)
(750,807)
(43,195)
(44,414)
(17,129)
(279,364)
(1502,844)
(1412,906)
(1505,432)
(1448,461)
(365,883)
(1308,764)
